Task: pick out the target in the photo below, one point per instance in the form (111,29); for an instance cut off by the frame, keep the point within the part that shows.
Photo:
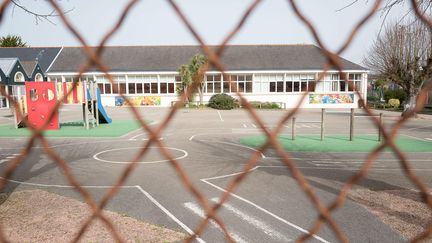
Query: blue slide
(103,116)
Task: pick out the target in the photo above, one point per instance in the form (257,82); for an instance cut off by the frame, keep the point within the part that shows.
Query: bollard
(379,129)
(352,125)
(293,128)
(322,123)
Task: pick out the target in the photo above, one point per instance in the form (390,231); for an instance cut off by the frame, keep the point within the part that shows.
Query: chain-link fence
(333,60)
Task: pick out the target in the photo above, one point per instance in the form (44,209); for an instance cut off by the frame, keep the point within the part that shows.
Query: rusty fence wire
(214,57)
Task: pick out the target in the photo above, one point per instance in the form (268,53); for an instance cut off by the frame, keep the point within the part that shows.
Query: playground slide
(103,116)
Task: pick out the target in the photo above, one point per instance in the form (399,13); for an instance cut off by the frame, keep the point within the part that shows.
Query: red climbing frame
(41,100)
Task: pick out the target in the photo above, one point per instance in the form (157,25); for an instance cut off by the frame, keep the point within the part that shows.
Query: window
(38,77)
(356,79)
(131,88)
(167,84)
(19,77)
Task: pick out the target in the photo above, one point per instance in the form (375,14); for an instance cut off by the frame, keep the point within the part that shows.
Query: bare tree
(403,55)
(37,15)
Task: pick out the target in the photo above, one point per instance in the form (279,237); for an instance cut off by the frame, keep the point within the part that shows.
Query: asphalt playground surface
(268,206)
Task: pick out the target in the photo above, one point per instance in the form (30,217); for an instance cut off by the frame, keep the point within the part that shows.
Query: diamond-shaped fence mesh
(214,56)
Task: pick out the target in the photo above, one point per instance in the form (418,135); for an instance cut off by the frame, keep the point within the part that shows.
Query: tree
(403,55)
(186,81)
(12,41)
(193,73)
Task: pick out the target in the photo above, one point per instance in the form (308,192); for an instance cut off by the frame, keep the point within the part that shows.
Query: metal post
(92,103)
(379,129)
(352,125)
(322,123)
(97,103)
(293,128)
(86,119)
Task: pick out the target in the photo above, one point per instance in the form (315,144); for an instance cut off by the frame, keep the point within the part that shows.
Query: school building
(148,74)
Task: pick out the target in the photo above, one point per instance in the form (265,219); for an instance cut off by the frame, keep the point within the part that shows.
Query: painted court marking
(185,154)
(194,208)
(155,202)
(237,145)
(267,229)
(220,116)
(206,180)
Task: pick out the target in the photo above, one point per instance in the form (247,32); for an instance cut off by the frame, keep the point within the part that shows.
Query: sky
(154,22)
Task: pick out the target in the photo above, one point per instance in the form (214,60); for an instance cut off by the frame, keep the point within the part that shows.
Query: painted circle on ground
(106,155)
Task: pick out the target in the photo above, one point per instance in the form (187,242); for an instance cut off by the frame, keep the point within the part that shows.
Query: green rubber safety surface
(76,129)
(338,143)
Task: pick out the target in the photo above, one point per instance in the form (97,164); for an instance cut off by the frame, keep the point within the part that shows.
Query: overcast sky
(154,22)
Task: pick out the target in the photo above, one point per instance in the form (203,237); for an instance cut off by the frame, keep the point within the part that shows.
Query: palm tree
(12,41)
(193,73)
(186,79)
(198,66)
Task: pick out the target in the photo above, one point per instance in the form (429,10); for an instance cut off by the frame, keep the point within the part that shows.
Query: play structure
(93,111)
(36,101)
(40,101)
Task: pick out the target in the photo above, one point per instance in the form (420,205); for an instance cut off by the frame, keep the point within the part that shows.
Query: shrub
(221,102)
(395,94)
(264,105)
(395,103)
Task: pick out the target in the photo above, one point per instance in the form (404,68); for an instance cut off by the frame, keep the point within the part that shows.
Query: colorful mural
(139,101)
(331,98)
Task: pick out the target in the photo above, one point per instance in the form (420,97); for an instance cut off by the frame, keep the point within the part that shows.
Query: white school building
(148,74)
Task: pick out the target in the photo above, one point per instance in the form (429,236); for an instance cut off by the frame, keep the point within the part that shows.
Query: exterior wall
(286,87)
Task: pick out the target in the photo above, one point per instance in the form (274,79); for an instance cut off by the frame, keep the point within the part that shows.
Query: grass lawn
(76,129)
(338,143)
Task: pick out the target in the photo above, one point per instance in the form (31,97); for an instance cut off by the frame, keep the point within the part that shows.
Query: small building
(34,71)
(15,78)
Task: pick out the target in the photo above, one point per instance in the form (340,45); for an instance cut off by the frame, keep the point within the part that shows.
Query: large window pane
(226,87)
(248,87)
(163,88)
(123,88)
(139,88)
(171,88)
(131,88)
(280,86)
(147,88)
(288,86)
(107,88)
(217,87)
(272,86)
(101,88)
(296,86)
(154,88)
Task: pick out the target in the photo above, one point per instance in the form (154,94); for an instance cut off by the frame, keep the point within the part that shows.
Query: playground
(212,147)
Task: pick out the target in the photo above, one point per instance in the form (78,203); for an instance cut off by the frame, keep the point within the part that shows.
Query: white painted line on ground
(238,145)
(185,154)
(414,128)
(146,139)
(265,211)
(10,157)
(180,223)
(339,168)
(286,126)
(198,211)
(244,125)
(220,116)
(2,161)
(253,125)
(417,138)
(233,174)
(267,229)
(325,165)
(327,162)
(61,186)
(430,139)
